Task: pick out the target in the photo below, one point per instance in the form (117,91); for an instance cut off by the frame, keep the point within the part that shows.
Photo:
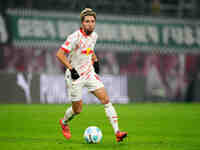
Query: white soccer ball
(92,135)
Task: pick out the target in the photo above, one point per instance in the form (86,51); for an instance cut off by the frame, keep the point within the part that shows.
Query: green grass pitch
(151,126)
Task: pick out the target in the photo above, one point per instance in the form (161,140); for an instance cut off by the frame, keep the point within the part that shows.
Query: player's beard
(89,31)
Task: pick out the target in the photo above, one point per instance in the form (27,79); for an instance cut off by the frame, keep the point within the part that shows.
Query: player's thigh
(102,95)
(96,87)
(93,82)
(75,92)
(74,88)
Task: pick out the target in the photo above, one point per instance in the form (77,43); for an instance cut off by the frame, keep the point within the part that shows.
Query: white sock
(112,115)
(69,114)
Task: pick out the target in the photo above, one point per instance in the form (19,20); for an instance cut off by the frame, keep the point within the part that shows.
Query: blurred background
(149,50)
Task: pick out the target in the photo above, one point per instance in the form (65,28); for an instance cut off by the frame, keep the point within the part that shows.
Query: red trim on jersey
(86,72)
(83,32)
(66,43)
(83,66)
(88,77)
(97,77)
(65,50)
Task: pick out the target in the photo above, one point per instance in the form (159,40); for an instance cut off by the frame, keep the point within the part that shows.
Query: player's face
(88,24)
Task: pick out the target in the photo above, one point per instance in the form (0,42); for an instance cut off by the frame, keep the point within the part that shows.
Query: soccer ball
(92,135)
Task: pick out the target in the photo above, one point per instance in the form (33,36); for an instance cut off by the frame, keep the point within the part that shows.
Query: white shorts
(74,87)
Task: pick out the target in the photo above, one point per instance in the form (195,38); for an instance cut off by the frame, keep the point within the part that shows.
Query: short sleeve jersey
(80,47)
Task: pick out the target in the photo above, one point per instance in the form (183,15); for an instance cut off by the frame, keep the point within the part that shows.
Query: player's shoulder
(74,35)
(94,35)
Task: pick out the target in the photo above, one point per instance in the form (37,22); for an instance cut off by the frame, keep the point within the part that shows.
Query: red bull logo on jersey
(88,51)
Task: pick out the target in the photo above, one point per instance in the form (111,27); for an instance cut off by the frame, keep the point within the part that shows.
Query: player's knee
(77,107)
(77,111)
(105,101)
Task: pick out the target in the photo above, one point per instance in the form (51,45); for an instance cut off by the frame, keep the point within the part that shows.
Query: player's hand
(74,74)
(96,67)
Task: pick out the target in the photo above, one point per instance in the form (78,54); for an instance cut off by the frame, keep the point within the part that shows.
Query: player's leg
(109,109)
(70,113)
(102,95)
(73,110)
(97,88)
(75,94)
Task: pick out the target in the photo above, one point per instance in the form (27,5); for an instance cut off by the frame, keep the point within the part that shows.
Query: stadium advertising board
(53,89)
(51,29)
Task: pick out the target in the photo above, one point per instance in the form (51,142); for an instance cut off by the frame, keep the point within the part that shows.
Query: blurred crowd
(173,8)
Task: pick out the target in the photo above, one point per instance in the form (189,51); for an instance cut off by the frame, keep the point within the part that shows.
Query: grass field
(153,126)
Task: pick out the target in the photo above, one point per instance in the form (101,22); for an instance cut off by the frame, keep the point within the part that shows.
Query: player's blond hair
(87,12)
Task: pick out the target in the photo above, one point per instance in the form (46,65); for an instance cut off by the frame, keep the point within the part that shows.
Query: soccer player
(82,69)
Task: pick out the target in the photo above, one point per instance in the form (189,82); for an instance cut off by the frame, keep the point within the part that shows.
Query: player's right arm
(63,59)
(67,47)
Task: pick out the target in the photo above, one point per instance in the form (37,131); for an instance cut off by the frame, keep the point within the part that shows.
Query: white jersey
(80,48)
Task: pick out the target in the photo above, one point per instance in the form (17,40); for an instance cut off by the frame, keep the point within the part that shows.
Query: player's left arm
(95,63)
(94,57)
